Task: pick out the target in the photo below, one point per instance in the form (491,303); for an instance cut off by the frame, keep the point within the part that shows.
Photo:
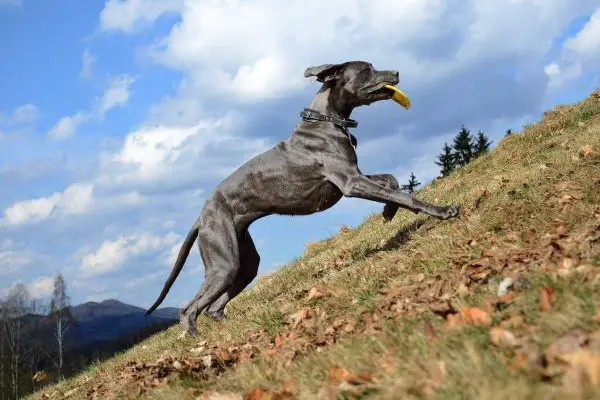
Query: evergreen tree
(508,132)
(463,147)
(482,145)
(412,184)
(446,160)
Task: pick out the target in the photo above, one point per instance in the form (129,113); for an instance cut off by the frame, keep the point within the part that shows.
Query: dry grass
(522,185)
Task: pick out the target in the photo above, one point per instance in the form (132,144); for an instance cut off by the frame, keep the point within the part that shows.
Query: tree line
(40,342)
(23,346)
(464,149)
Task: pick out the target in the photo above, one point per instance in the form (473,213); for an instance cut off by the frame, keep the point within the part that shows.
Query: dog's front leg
(347,177)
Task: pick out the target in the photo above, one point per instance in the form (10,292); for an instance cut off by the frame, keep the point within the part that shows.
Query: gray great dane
(307,173)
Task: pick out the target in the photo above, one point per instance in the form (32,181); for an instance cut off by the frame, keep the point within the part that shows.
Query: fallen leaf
(503,337)
(315,293)
(279,340)
(300,316)
(518,363)
(476,316)
(257,394)
(224,354)
(349,327)
(339,375)
(454,321)
(547,298)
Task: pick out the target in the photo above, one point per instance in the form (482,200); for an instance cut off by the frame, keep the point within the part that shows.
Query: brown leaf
(279,340)
(547,298)
(454,321)
(503,337)
(349,327)
(587,150)
(476,316)
(224,354)
(315,293)
(258,394)
(339,375)
(518,363)
(300,316)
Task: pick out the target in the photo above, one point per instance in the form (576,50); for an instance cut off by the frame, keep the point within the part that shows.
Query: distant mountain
(108,308)
(109,320)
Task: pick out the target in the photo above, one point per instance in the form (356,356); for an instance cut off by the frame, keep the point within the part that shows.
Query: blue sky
(118,118)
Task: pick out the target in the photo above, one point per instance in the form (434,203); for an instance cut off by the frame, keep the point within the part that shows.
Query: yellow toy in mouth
(399,96)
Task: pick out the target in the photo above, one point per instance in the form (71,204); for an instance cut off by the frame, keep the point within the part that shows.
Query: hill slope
(411,308)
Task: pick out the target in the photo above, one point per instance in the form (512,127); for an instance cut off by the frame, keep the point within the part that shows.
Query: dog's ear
(325,72)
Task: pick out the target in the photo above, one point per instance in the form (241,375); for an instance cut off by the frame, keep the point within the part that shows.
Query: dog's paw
(189,325)
(450,212)
(216,315)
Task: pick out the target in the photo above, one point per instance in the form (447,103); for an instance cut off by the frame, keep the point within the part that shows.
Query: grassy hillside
(411,308)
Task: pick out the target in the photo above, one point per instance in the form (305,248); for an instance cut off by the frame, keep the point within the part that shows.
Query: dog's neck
(324,103)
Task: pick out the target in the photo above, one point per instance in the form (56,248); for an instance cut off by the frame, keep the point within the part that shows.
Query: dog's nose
(396,74)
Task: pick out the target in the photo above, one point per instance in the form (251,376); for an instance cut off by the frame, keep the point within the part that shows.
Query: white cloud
(116,95)
(426,39)
(67,126)
(76,199)
(31,210)
(24,114)
(87,62)
(175,156)
(124,15)
(12,261)
(579,54)
(587,41)
(41,287)
(112,254)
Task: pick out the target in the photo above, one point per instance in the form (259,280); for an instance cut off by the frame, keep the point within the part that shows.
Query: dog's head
(355,83)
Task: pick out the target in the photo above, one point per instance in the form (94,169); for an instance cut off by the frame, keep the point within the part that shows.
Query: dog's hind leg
(249,261)
(220,253)
(388,181)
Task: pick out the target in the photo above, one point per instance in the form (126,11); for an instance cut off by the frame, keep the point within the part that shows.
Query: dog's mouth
(385,91)
(379,92)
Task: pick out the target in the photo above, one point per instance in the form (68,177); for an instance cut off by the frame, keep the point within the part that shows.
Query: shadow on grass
(400,238)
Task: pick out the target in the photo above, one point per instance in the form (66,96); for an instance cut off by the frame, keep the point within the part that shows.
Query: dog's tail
(184,251)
